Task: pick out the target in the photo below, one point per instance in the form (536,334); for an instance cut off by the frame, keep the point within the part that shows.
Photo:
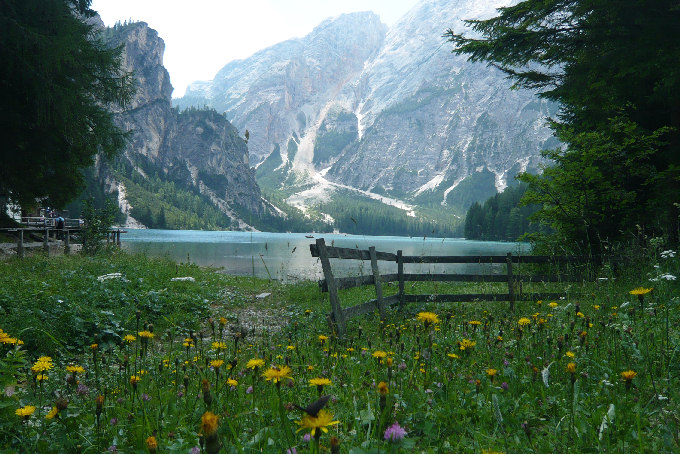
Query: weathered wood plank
(376,280)
(487,259)
(349,253)
(470,297)
(400,277)
(368,307)
(338,315)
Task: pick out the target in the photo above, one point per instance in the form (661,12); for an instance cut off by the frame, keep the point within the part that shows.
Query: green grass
(444,397)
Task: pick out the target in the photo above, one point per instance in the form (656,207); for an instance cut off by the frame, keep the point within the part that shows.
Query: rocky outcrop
(392,111)
(200,144)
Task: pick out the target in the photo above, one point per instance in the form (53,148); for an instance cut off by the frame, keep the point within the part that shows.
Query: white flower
(668,254)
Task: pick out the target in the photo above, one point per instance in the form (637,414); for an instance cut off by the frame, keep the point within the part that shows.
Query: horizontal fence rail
(331,284)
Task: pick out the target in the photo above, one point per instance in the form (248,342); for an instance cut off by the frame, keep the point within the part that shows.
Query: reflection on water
(286,256)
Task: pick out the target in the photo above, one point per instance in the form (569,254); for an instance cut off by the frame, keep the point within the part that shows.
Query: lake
(286,256)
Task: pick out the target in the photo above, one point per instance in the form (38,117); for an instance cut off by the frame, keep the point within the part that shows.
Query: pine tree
(58,81)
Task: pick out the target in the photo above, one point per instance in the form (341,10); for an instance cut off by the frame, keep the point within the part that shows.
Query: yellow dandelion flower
(276,374)
(466,344)
(640,291)
(146,334)
(129,338)
(75,369)
(134,379)
(379,354)
(523,321)
(151,443)
(232,382)
(628,375)
(474,322)
(52,413)
(491,372)
(383,388)
(254,363)
(321,421)
(569,354)
(26,411)
(428,318)
(452,355)
(319,381)
(209,423)
(571,368)
(322,338)
(219,346)
(217,363)
(553,304)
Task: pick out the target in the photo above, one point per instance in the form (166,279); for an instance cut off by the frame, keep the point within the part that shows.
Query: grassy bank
(597,371)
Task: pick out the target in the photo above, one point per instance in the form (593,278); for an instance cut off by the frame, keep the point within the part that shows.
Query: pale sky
(201,36)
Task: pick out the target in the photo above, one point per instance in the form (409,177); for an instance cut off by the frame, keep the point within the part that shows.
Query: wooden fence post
(67,242)
(46,242)
(511,282)
(376,281)
(400,273)
(336,309)
(20,244)
(118,237)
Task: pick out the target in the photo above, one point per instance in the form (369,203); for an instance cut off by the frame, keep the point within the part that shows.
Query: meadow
(110,354)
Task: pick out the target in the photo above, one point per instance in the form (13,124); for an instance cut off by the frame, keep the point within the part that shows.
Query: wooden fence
(66,235)
(332,284)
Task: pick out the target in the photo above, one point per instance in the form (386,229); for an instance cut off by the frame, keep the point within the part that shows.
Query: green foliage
(501,218)
(475,187)
(97,222)
(612,67)
(511,389)
(59,79)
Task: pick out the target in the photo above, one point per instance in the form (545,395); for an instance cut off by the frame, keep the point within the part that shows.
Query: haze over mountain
(388,112)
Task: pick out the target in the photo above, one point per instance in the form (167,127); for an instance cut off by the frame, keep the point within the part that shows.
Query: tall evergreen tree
(58,81)
(612,66)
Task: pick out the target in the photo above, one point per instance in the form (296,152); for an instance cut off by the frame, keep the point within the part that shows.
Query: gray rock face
(280,90)
(392,112)
(202,142)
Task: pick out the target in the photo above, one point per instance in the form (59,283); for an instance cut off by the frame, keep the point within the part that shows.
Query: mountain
(195,158)
(387,114)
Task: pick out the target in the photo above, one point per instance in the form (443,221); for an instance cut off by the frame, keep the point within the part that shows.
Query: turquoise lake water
(286,256)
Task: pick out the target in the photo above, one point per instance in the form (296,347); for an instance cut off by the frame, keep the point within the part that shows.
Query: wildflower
(383,390)
(146,397)
(222,321)
(151,444)
(452,355)
(276,374)
(322,339)
(25,412)
(504,386)
(596,307)
(428,318)
(466,344)
(41,377)
(231,382)
(249,390)
(42,364)
(523,321)
(52,413)
(82,389)
(254,363)
(146,335)
(129,338)
(134,379)
(640,291)
(628,377)
(474,322)
(209,423)
(580,314)
(379,355)
(290,347)
(553,304)
(219,346)
(569,354)
(217,363)
(94,347)
(571,368)
(308,312)
(491,373)
(395,432)
(321,421)
(75,369)
(320,382)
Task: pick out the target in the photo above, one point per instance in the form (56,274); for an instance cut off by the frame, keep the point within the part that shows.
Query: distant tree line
(501,218)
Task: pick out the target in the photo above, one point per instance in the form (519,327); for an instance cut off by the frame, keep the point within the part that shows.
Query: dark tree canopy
(613,67)
(58,82)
